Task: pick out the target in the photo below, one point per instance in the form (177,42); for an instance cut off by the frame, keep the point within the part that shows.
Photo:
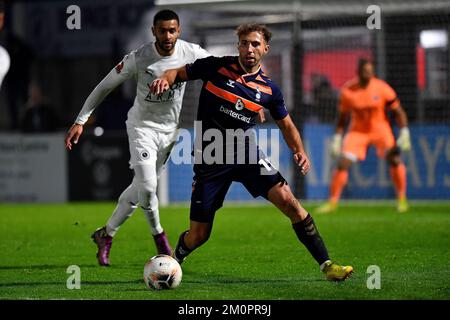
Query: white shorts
(149,146)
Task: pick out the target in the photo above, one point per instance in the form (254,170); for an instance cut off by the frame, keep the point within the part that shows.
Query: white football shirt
(145,64)
(4,63)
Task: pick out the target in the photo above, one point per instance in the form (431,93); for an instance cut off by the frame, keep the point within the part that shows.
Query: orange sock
(398,175)
(338,182)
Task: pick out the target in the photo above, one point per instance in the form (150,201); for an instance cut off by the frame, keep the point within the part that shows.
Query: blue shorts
(211,184)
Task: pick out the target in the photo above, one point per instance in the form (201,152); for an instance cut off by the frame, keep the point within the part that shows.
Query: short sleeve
(201,68)
(390,97)
(277,106)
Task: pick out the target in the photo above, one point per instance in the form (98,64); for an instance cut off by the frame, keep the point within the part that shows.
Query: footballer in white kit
(152,125)
(5,60)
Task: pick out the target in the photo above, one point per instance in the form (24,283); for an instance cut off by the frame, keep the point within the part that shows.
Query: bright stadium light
(433,39)
(98,131)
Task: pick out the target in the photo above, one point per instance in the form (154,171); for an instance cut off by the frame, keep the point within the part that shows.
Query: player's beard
(163,46)
(250,64)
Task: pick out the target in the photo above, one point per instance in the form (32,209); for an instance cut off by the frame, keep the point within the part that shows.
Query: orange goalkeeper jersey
(368,105)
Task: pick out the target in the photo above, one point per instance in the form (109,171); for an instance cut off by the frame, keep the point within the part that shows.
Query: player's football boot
(402,205)
(335,272)
(162,244)
(328,207)
(103,241)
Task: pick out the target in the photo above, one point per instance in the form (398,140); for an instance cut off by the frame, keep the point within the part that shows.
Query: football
(162,272)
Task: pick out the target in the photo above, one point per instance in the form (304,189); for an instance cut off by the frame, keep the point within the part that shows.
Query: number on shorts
(266,163)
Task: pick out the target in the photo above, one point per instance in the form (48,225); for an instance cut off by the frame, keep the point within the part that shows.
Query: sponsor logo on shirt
(235,115)
(173,93)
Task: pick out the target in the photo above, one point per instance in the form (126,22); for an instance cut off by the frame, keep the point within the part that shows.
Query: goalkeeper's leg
(339,180)
(398,175)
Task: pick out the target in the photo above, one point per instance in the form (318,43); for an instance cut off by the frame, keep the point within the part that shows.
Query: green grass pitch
(252,254)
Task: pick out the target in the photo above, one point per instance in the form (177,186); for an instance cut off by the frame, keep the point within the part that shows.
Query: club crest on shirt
(239,105)
(258,95)
(145,155)
(119,67)
(375,98)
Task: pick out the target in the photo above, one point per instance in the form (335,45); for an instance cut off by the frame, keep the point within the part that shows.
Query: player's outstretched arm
(73,135)
(114,78)
(168,78)
(294,141)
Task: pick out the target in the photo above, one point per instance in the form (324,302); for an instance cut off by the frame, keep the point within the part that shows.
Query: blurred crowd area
(313,53)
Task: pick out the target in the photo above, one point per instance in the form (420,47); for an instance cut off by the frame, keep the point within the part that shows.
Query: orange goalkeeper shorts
(356,143)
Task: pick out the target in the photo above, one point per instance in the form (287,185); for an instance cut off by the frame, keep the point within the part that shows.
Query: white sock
(152,216)
(126,205)
(147,182)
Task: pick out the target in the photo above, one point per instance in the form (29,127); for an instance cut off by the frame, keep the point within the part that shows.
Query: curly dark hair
(165,15)
(246,28)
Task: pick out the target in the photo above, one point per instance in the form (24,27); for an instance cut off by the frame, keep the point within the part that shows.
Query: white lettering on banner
(447,156)
(90,152)
(33,168)
(411,165)
(431,150)
(311,177)
(383,180)
(431,157)
(360,180)
(328,161)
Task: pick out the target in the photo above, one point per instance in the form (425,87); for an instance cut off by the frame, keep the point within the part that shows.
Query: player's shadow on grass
(53,267)
(229,279)
(44,266)
(62,283)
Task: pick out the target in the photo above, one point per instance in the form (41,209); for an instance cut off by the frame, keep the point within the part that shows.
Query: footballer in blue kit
(235,92)
(232,99)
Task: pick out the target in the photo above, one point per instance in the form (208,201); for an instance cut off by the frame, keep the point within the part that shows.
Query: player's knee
(344,164)
(290,205)
(394,160)
(126,198)
(147,190)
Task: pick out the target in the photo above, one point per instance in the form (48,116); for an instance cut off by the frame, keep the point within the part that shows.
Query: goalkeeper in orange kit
(365,101)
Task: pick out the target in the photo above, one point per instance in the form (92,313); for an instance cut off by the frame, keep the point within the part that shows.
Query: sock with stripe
(308,234)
